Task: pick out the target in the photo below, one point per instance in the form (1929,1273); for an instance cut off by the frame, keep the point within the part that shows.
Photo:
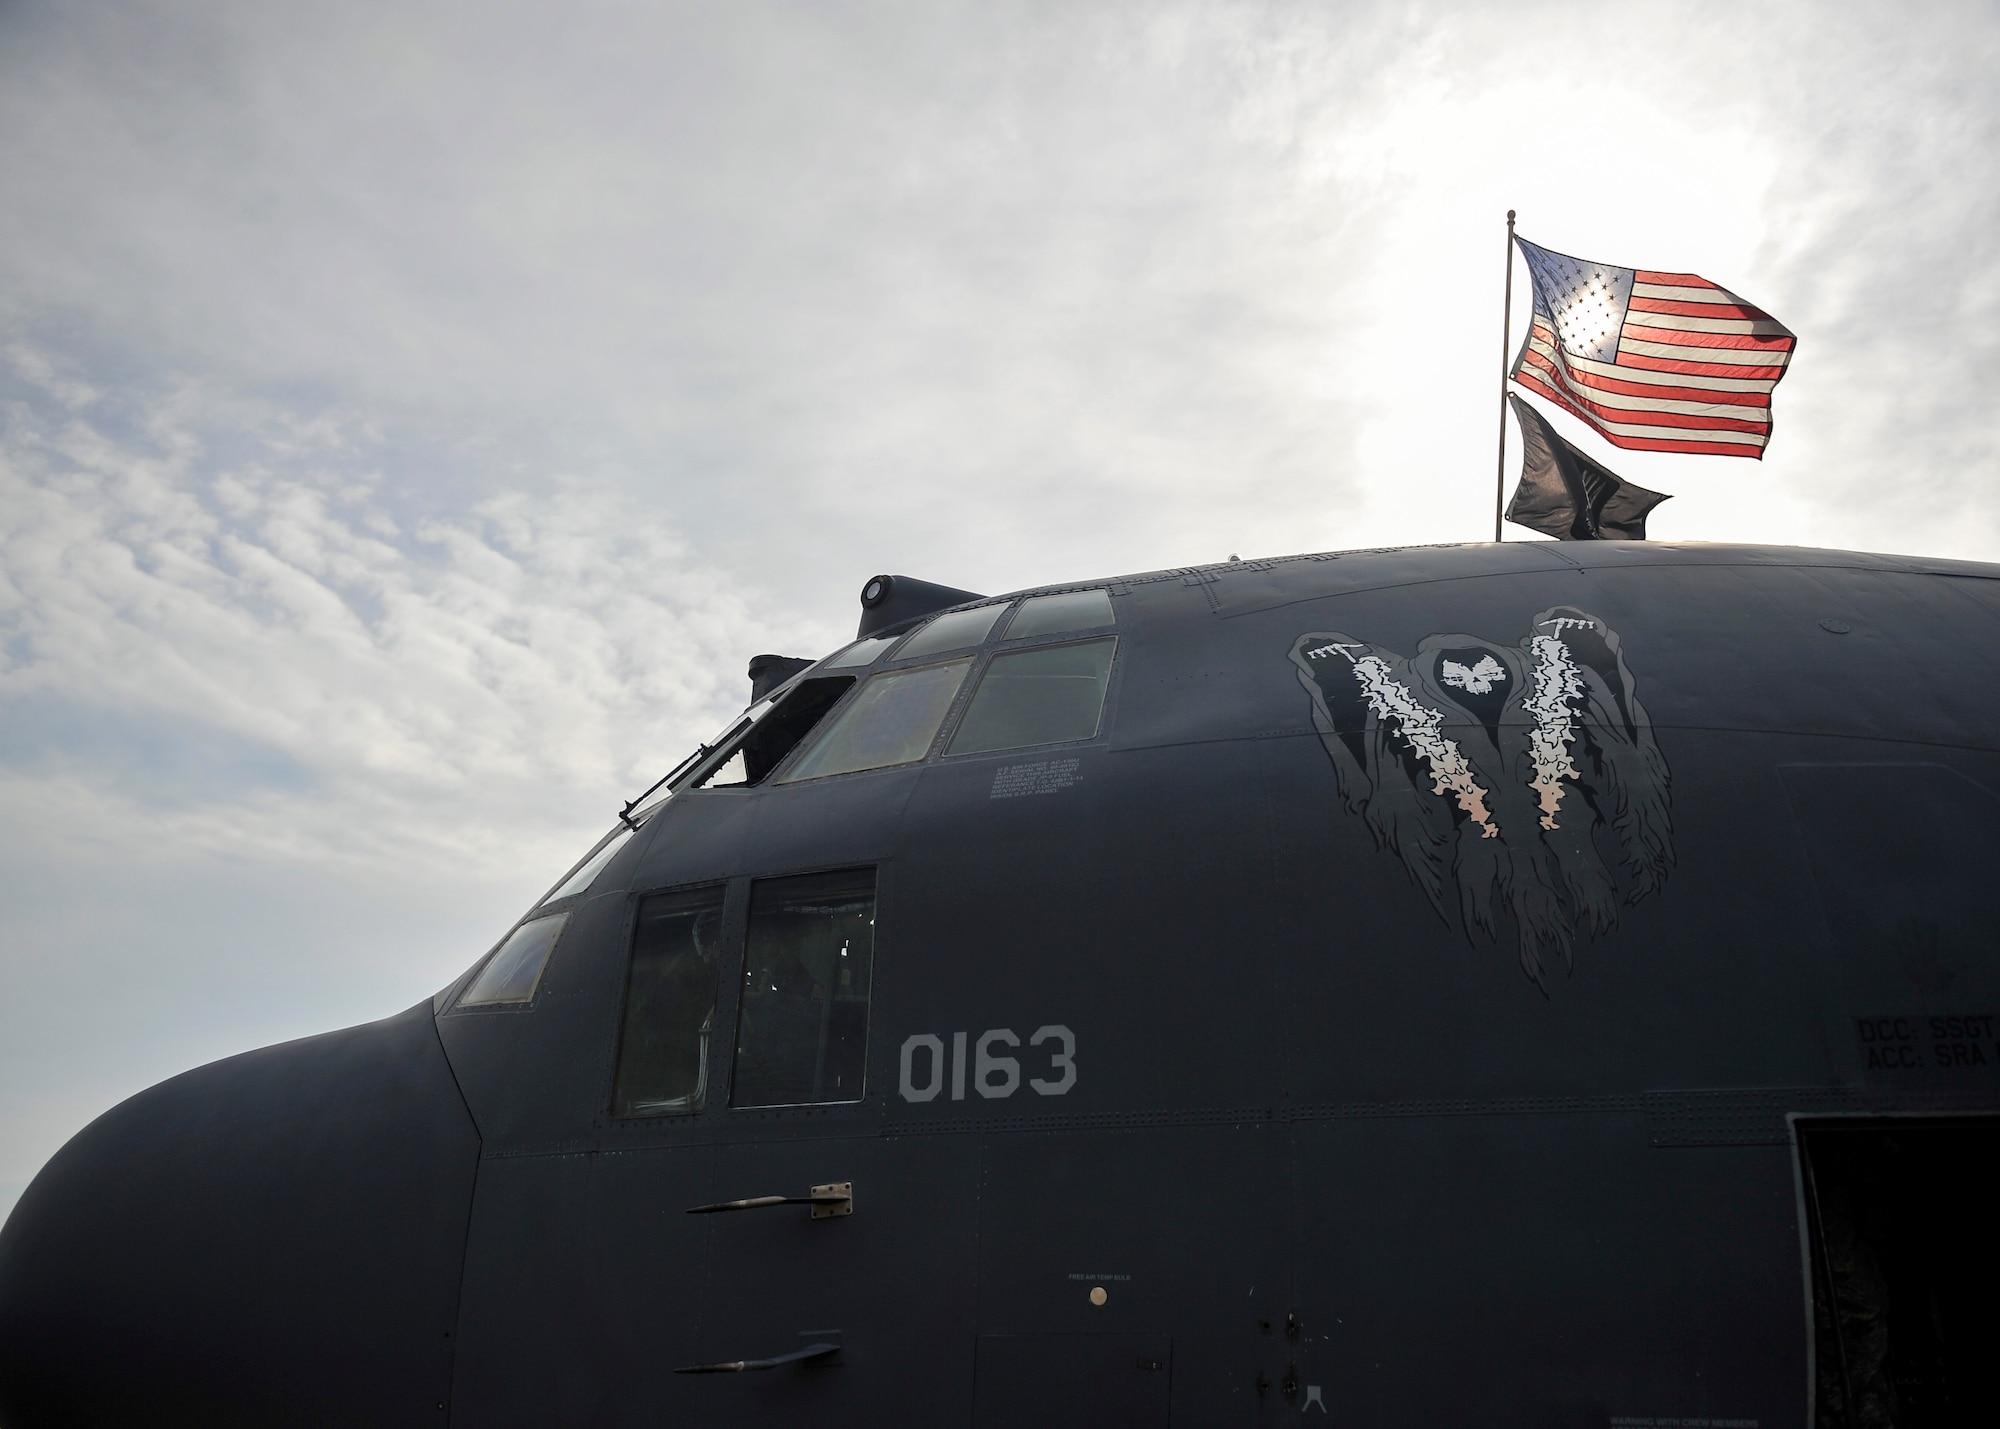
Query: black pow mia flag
(1565,494)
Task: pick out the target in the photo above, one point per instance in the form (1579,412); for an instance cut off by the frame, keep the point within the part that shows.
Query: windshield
(891,721)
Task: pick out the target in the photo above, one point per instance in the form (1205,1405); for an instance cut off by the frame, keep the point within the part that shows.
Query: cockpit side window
(1044,694)
(514,971)
(892,720)
(670,992)
(809,956)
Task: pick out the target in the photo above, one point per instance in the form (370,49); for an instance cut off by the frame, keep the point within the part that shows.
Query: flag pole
(1506,323)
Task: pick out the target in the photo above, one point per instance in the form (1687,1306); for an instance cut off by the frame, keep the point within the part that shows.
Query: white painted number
(1063,1061)
(994,1076)
(986,1064)
(911,1091)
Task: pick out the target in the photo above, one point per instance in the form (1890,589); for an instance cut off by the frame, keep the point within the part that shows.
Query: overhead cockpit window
(892,720)
(515,969)
(587,871)
(1046,694)
(954,630)
(1061,614)
(664,1047)
(861,652)
(802,1027)
(756,751)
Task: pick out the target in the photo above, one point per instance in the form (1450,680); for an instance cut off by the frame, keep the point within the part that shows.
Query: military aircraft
(1520,984)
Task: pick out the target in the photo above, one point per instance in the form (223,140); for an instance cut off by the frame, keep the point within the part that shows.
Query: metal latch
(835,1198)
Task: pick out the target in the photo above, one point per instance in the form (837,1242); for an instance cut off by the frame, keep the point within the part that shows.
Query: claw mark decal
(1554,686)
(1514,771)
(1418,728)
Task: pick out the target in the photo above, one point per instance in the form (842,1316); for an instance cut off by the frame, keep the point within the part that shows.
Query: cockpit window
(1060,614)
(758,749)
(952,631)
(587,871)
(1045,694)
(515,969)
(861,652)
(749,749)
(664,1048)
(892,720)
(802,1027)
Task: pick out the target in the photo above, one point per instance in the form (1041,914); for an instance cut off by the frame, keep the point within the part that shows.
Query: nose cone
(272,1239)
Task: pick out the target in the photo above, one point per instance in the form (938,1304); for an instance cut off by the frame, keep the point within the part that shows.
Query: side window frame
(728,1004)
(454,995)
(874,870)
(722,1049)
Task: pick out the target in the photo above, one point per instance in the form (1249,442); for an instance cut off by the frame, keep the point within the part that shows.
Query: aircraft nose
(272,1239)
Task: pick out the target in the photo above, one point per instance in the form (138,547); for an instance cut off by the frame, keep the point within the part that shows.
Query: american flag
(1664,362)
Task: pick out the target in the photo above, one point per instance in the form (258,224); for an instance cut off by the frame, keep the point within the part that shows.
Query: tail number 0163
(994,1073)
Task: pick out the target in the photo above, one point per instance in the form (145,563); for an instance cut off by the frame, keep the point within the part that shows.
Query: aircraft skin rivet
(1097,1295)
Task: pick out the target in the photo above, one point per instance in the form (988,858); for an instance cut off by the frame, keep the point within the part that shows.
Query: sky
(412,418)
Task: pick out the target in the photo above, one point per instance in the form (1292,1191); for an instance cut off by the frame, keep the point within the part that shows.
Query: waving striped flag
(1664,362)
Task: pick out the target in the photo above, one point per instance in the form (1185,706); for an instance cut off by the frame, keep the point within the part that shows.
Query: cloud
(231,643)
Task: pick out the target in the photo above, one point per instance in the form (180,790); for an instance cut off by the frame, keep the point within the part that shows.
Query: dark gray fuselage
(1326,1145)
